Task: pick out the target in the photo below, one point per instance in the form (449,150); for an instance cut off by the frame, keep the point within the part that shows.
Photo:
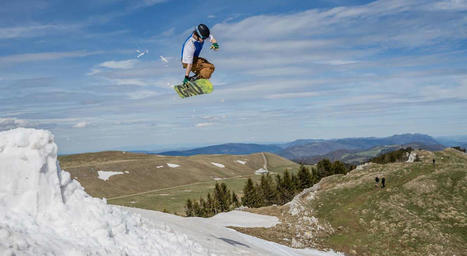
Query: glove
(186,80)
(215,46)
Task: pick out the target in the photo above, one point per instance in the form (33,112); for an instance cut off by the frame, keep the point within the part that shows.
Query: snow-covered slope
(44,212)
(211,233)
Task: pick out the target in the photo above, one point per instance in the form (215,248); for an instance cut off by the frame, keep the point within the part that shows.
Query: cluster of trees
(459,148)
(221,200)
(400,155)
(272,189)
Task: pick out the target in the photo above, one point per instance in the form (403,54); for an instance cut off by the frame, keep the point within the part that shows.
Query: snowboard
(193,88)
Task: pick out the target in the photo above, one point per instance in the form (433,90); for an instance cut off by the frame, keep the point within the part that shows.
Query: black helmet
(203,31)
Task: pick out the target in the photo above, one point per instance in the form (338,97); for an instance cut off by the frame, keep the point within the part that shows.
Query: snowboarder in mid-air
(191,49)
(203,69)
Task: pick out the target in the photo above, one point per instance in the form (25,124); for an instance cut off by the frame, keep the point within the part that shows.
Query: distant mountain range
(227,149)
(452,141)
(350,150)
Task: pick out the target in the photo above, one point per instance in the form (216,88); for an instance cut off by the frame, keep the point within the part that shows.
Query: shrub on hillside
(459,148)
(400,155)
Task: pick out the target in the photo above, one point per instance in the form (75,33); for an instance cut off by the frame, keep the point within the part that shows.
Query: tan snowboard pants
(201,67)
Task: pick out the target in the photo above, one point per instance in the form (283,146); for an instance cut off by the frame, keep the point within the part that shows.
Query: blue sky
(286,70)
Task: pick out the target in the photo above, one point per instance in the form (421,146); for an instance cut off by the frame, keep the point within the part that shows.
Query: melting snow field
(241,162)
(44,212)
(212,233)
(173,165)
(218,165)
(103,175)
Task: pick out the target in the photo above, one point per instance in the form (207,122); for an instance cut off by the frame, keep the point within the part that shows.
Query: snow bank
(173,165)
(218,165)
(105,175)
(44,212)
(241,162)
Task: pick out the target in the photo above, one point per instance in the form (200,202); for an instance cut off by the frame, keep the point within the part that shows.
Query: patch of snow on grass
(261,171)
(173,165)
(105,175)
(159,166)
(241,162)
(218,165)
(412,157)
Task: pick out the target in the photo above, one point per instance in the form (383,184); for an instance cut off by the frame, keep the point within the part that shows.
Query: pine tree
(218,204)
(189,208)
(339,168)
(279,190)
(267,190)
(250,196)
(235,202)
(226,198)
(210,205)
(314,175)
(324,168)
(288,186)
(203,207)
(305,177)
(196,209)
(285,188)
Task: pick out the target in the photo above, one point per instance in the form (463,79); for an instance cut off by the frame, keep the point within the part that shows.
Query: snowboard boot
(194,78)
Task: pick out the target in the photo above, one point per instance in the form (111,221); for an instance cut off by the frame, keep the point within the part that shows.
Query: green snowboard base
(197,87)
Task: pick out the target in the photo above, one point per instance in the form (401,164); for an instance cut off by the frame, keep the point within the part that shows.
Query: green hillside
(149,182)
(421,211)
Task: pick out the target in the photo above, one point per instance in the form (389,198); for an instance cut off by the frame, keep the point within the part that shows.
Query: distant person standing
(383,182)
(434,161)
(377,182)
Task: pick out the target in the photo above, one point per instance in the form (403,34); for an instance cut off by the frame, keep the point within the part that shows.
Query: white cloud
(82,124)
(457,5)
(147,3)
(12,123)
(34,30)
(94,71)
(334,36)
(130,81)
(337,62)
(44,56)
(141,94)
(203,124)
(123,64)
(292,95)
(169,32)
